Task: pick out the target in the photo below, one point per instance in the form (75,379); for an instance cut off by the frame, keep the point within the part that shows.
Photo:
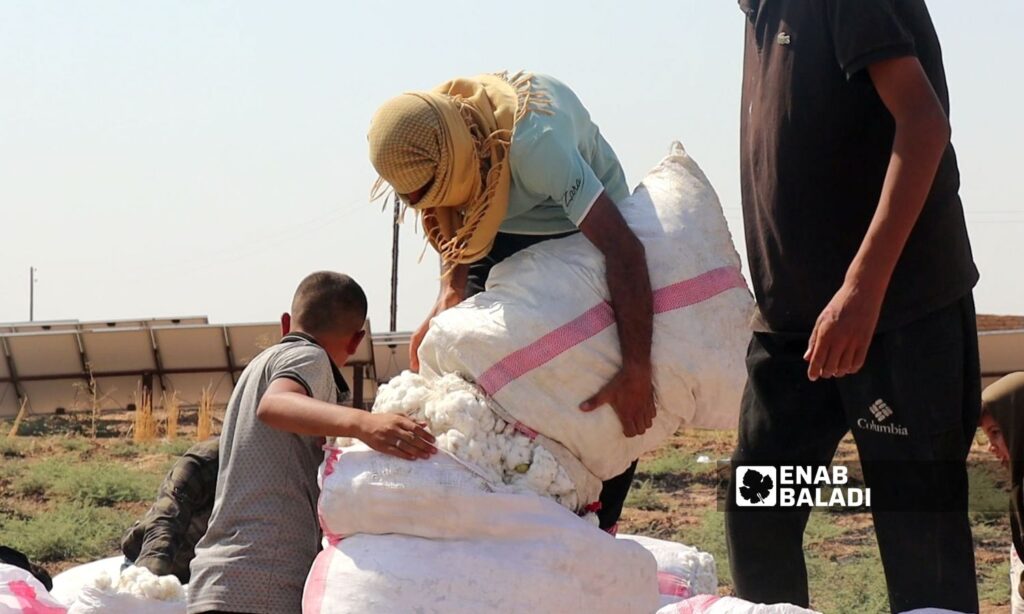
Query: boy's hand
(396,435)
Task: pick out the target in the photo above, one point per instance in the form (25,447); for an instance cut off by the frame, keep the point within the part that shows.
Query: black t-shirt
(815,146)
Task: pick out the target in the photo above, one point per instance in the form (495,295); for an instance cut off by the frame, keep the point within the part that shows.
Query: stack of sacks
(135,590)
(433,536)
(542,338)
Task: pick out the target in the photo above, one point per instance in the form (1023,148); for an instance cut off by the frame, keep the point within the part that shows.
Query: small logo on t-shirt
(570,194)
(783,39)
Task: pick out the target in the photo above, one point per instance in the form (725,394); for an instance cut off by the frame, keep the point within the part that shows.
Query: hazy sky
(180,158)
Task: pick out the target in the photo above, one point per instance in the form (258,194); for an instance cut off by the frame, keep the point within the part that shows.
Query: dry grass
(95,400)
(19,418)
(204,423)
(144,424)
(172,409)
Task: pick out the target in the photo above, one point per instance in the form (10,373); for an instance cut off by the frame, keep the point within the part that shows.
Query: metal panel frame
(84,334)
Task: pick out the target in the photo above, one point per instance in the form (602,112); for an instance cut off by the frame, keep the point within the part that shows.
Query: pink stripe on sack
(333,454)
(696,605)
(672,585)
(316,585)
(596,319)
(28,601)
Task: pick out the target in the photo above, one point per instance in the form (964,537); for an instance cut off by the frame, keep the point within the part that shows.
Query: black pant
(614,491)
(914,459)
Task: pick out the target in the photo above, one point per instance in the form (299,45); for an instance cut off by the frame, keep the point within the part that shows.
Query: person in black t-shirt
(863,275)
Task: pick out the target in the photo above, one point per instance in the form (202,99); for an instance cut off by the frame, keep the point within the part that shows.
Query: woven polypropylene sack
(428,536)
(683,571)
(541,339)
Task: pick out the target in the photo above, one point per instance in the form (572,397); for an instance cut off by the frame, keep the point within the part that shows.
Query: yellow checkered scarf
(457,135)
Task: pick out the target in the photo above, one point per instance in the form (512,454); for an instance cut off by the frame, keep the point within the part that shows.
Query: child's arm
(286,406)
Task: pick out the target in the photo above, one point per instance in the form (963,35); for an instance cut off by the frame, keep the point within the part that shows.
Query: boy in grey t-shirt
(264,534)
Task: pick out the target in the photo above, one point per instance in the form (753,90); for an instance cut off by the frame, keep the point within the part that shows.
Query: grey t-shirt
(264,533)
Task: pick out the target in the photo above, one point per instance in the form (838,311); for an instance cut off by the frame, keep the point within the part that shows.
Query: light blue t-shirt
(560,165)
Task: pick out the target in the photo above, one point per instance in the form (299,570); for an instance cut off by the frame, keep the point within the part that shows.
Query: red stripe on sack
(596,319)
(525,430)
(672,585)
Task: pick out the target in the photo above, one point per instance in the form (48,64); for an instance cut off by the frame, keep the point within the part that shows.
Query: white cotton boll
(171,589)
(414,400)
(570,500)
(561,485)
(151,589)
(103,581)
(454,441)
(475,451)
(492,454)
(519,452)
(542,472)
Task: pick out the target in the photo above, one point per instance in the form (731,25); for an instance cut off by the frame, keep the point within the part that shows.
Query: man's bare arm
(631,391)
(843,332)
(453,290)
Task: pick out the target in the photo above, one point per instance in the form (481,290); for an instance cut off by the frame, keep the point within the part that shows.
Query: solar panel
(118,392)
(120,349)
(184,354)
(140,323)
(45,354)
(248,340)
(391,355)
(8,401)
(39,327)
(191,347)
(363,353)
(190,386)
(45,397)
(8,393)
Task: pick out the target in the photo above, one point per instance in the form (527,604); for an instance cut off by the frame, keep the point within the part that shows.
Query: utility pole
(394,264)
(31,293)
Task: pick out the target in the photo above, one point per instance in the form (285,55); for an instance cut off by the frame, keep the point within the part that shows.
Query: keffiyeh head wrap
(454,140)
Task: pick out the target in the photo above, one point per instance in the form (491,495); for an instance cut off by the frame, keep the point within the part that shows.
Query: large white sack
(134,590)
(709,604)
(683,571)
(429,536)
(22,593)
(542,338)
(95,601)
(70,582)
